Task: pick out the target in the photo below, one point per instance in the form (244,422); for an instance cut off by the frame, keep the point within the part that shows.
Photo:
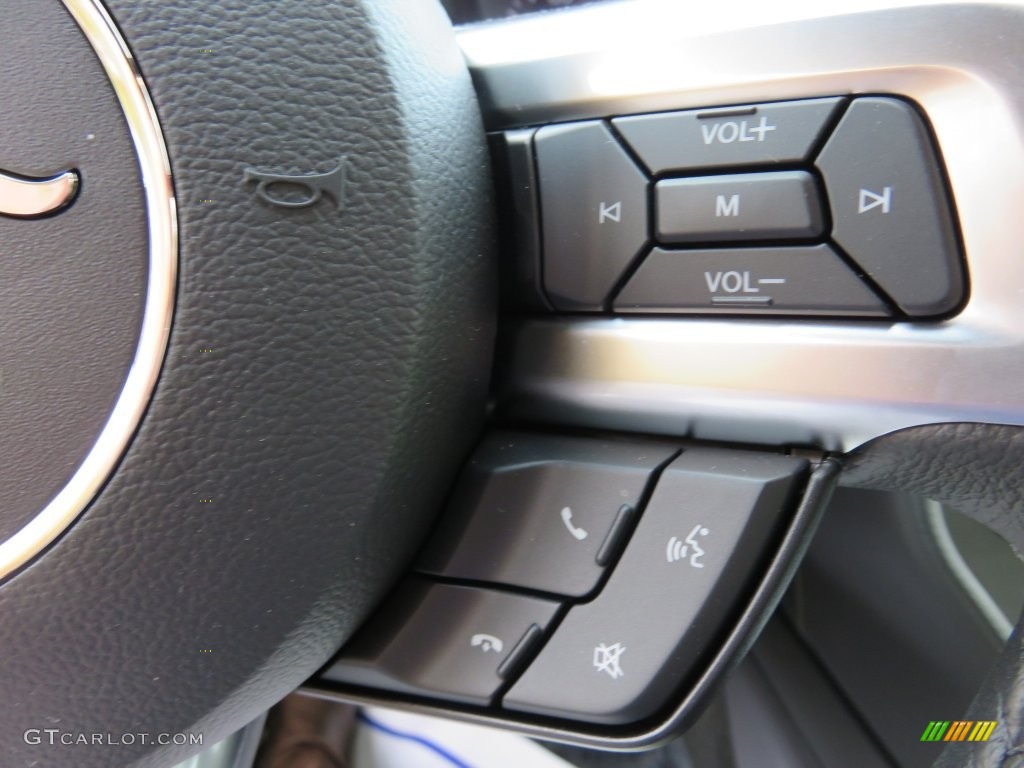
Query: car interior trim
(103,456)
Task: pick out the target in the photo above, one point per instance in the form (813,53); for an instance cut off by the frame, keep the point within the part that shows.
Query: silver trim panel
(141,117)
(833,385)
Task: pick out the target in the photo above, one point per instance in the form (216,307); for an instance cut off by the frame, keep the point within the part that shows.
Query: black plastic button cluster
(817,207)
(618,658)
(540,591)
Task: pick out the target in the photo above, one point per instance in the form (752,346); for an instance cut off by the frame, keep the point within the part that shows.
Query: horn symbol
(314,184)
(23,196)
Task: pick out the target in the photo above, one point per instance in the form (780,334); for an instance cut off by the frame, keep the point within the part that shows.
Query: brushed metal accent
(834,385)
(21,196)
(131,93)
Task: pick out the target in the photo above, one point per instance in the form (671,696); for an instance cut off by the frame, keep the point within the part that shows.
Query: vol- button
(734,287)
(594,213)
(791,280)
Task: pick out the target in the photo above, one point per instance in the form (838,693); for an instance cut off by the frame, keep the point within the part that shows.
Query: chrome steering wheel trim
(144,128)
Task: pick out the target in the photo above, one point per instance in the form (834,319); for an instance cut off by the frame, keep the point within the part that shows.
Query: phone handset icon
(578,533)
(487,643)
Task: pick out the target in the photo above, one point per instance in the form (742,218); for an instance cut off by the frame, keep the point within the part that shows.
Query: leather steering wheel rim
(975,468)
(277,484)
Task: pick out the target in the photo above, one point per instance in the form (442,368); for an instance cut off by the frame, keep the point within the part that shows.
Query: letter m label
(727,206)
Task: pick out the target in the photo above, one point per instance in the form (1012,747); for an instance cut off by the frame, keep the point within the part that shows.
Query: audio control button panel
(857,182)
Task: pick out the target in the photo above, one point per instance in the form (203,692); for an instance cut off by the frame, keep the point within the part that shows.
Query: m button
(738,207)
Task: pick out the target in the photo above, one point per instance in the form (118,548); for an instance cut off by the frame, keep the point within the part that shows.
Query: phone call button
(543,512)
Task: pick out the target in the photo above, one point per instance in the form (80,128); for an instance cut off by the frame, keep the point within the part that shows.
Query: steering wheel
(248,328)
(228,421)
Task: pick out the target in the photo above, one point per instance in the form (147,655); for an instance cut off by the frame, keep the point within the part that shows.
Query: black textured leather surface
(350,352)
(1001,699)
(977,469)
